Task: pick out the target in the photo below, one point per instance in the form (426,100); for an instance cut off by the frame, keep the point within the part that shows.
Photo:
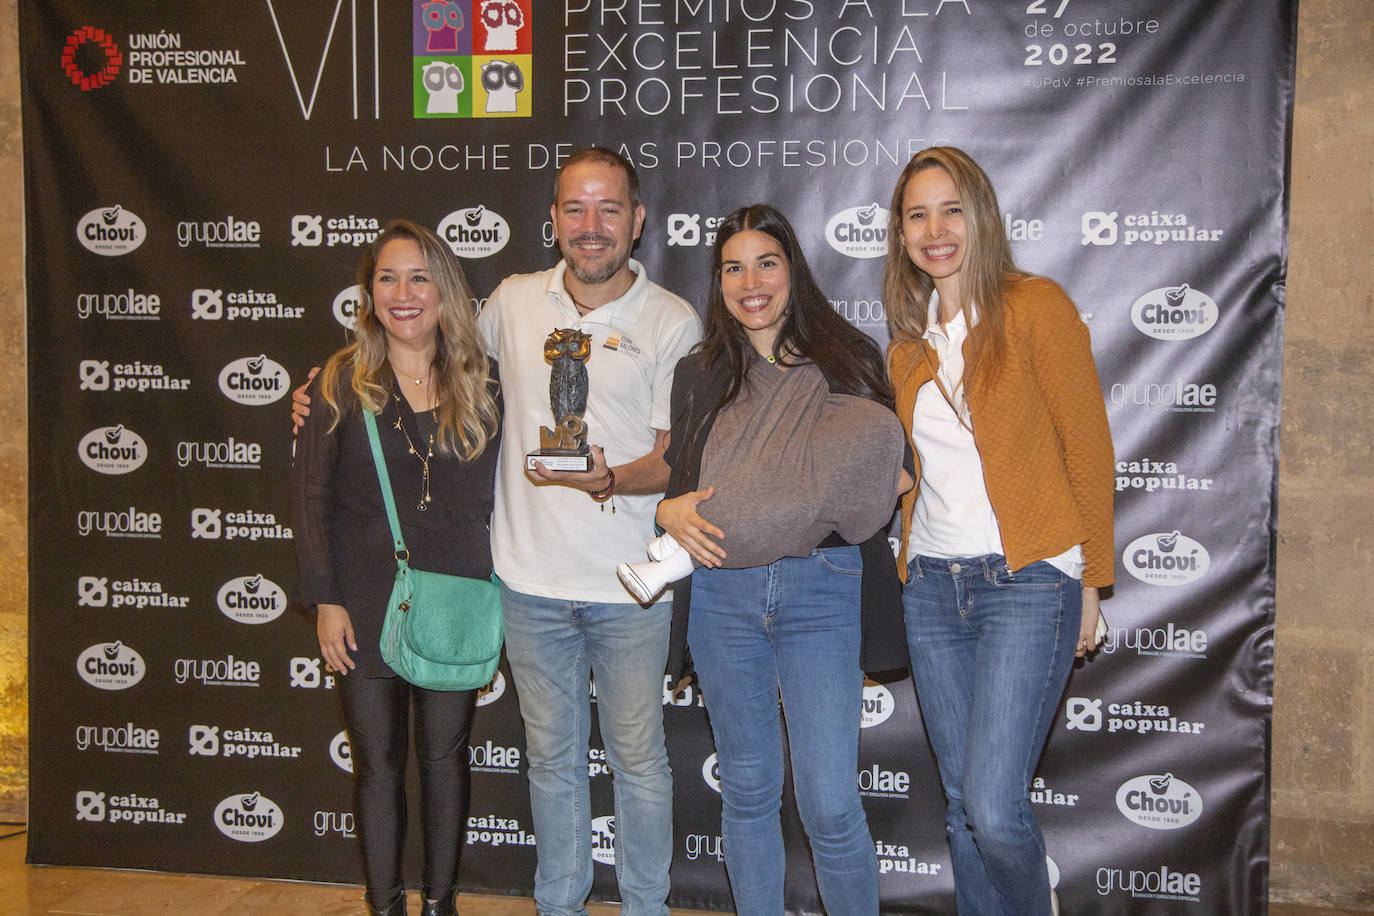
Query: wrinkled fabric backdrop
(200,179)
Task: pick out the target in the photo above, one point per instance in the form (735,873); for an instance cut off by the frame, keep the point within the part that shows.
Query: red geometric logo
(113,58)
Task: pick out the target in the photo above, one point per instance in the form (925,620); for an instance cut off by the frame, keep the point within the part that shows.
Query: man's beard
(599,275)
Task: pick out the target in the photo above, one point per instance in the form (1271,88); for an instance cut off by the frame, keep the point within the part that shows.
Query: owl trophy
(564,446)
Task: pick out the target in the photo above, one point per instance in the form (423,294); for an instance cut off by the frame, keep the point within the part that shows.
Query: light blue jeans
(552,645)
(990,655)
(789,627)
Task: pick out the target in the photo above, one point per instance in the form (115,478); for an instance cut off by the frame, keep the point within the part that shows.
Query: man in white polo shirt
(556,537)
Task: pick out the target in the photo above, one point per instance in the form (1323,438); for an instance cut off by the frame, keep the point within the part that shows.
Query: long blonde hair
(466,409)
(988,268)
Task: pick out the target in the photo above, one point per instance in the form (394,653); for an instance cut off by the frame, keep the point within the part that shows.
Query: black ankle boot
(443,906)
(397,907)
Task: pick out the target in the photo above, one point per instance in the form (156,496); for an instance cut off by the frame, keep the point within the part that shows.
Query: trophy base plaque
(559,460)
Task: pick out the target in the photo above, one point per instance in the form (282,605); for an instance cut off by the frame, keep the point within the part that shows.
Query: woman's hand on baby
(678,516)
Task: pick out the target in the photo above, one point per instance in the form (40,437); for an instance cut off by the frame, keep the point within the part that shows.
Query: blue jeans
(789,627)
(552,645)
(990,655)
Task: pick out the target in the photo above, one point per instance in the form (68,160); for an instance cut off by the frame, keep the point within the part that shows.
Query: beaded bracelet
(602,495)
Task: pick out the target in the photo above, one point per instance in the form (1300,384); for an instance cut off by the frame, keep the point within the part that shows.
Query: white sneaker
(646,580)
(662,547)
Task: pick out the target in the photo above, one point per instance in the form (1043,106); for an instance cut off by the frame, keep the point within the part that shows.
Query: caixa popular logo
(112,450)
(896,857)
(305,674)
(688,230)
(111,666)
(313,230)
(603,840)
(1166,559)
(111,231)
(347,304)
(248,818)
(254,380)
(475,232)
(251,599)
(860,232)
(1159,802)
(494,830)
(1174,313)
(878,705)
(129,809)
(682,698)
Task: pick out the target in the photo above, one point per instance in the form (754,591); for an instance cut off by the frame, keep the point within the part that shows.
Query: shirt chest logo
(620,343)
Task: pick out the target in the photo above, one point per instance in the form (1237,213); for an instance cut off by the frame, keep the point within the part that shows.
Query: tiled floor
(27,889)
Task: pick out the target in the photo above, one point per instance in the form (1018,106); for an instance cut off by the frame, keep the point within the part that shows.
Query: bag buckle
(403,555)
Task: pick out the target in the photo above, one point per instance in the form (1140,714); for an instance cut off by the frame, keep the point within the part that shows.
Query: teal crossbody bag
(441,632)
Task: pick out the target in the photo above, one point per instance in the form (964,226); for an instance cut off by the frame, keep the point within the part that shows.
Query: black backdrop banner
(200,179)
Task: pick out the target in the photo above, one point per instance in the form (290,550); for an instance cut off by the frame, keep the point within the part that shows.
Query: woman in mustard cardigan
(1007,535)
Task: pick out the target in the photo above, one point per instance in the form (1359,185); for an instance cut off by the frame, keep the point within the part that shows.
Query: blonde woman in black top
(418,364)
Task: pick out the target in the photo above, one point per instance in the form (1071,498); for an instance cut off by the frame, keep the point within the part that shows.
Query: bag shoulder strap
(383,478)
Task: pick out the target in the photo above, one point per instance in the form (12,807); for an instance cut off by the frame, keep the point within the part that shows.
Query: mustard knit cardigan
(1041,429)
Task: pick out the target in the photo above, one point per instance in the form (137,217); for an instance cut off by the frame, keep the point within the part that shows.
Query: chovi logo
(860,232)
(1166,559)
(251,599)
(91,58)
(603,840)
(475,232)
(111,666)
(710,772)
(111,231)
(347,304)
(112,450)
(1159,802)
(248,818)
(1174,313)
(877,705)
(254,380)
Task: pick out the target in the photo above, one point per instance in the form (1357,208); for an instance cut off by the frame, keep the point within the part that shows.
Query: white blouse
(953,516)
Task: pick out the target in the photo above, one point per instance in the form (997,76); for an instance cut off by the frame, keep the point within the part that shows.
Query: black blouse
(343,541)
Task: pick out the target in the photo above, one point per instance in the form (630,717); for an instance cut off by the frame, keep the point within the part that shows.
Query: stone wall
(14,480)
(1323,744)
(1323,750)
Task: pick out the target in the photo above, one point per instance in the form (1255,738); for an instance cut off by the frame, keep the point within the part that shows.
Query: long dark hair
(811,330)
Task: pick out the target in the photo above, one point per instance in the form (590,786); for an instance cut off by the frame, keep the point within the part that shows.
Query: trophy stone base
(559,459)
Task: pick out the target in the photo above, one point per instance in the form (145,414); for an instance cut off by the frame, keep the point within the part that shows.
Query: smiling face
(404,295)
(595,221)
(933,230)
(756,284)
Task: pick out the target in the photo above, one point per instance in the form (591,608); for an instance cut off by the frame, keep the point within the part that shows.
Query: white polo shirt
(554,541)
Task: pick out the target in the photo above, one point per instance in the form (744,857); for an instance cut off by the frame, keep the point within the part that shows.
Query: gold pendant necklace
(425,497)
(418,380)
